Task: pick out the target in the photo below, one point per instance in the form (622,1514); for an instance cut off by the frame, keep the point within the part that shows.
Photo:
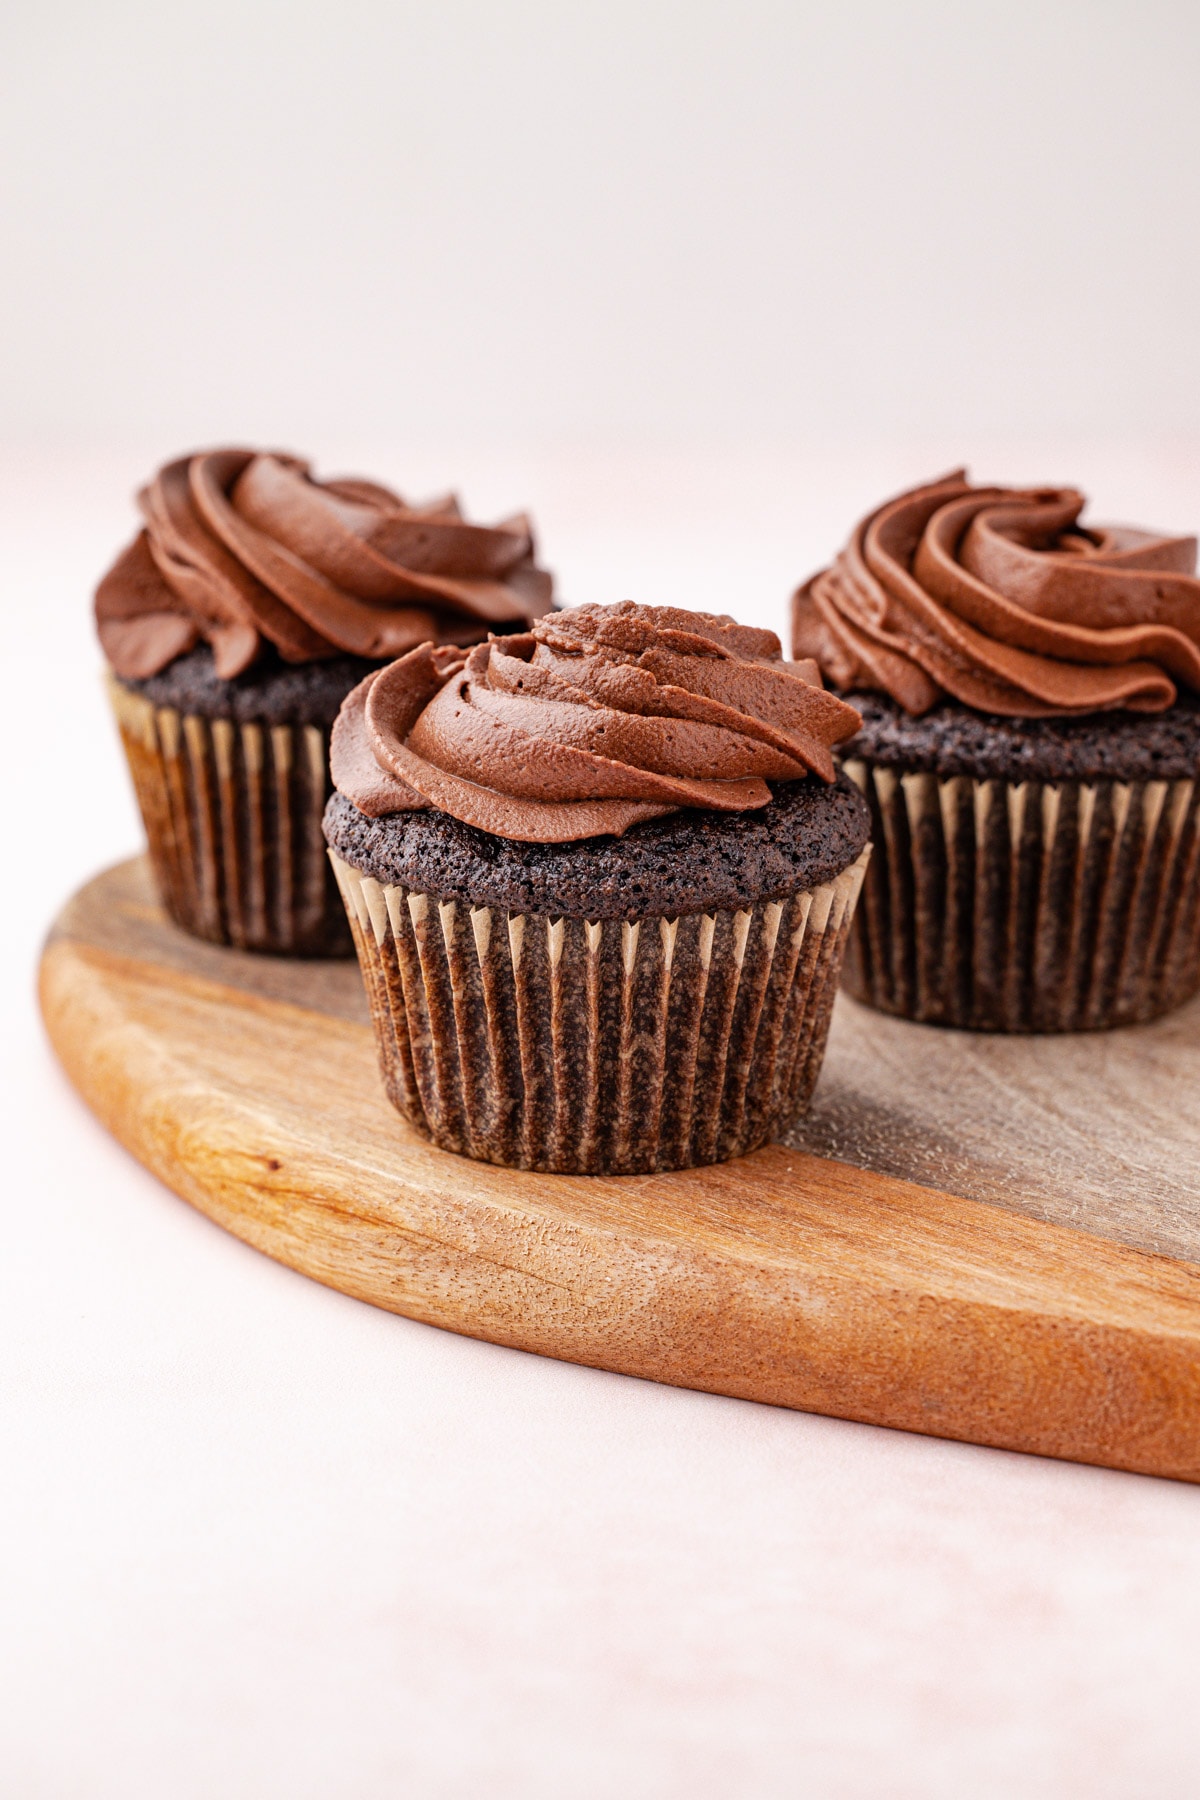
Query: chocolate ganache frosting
(241,547)
(595,719)
(1000,598)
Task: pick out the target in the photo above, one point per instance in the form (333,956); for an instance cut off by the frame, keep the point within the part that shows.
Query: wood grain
(1099,1130)
(249,1086)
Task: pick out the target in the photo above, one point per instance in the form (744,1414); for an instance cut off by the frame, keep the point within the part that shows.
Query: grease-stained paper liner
(1027,906)
(233,818)
(606,1048)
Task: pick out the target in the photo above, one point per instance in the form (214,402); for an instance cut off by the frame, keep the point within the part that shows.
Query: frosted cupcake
(600,876)
(251,602)
(1029,750)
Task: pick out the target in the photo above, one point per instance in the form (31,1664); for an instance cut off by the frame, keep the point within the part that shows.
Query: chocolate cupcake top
(593,720)
(692,862)
(242,547)
(1000,598)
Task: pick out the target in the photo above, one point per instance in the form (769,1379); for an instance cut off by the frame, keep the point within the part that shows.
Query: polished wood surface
(1000,1252)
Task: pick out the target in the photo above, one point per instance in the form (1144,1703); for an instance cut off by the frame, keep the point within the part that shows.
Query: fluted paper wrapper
(607,1048)
(233,818)
(1027,906)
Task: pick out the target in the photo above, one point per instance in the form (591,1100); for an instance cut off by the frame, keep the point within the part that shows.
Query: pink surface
(260,1540)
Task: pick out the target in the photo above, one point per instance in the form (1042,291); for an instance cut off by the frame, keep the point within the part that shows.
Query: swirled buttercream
(241,546)
(593,720)
(1000,598)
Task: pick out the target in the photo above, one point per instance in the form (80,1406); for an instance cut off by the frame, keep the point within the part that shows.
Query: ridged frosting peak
(591,721)
(242,546)
(1002,599)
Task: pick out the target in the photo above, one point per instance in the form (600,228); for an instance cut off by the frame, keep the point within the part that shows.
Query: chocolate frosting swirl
(242,546)
(1000,598)
(593,720)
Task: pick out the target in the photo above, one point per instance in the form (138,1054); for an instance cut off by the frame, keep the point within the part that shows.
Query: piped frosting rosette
(1000,598)
(241,547)
(593,720)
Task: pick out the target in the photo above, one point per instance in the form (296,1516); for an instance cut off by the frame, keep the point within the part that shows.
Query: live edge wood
(249,1086)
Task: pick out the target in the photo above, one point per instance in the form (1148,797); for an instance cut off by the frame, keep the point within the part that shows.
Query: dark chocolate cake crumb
(689,862)
(272,692)
(953,739)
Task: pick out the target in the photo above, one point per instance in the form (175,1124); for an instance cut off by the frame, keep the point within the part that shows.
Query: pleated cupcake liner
(233,819)
(1027,906)
(611,1047)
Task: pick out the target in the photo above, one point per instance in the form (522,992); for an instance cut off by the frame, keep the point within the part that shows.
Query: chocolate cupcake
(1029,751)
(252,601)
(600,877)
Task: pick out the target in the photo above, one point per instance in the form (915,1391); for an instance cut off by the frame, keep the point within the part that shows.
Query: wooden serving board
(988,1238)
